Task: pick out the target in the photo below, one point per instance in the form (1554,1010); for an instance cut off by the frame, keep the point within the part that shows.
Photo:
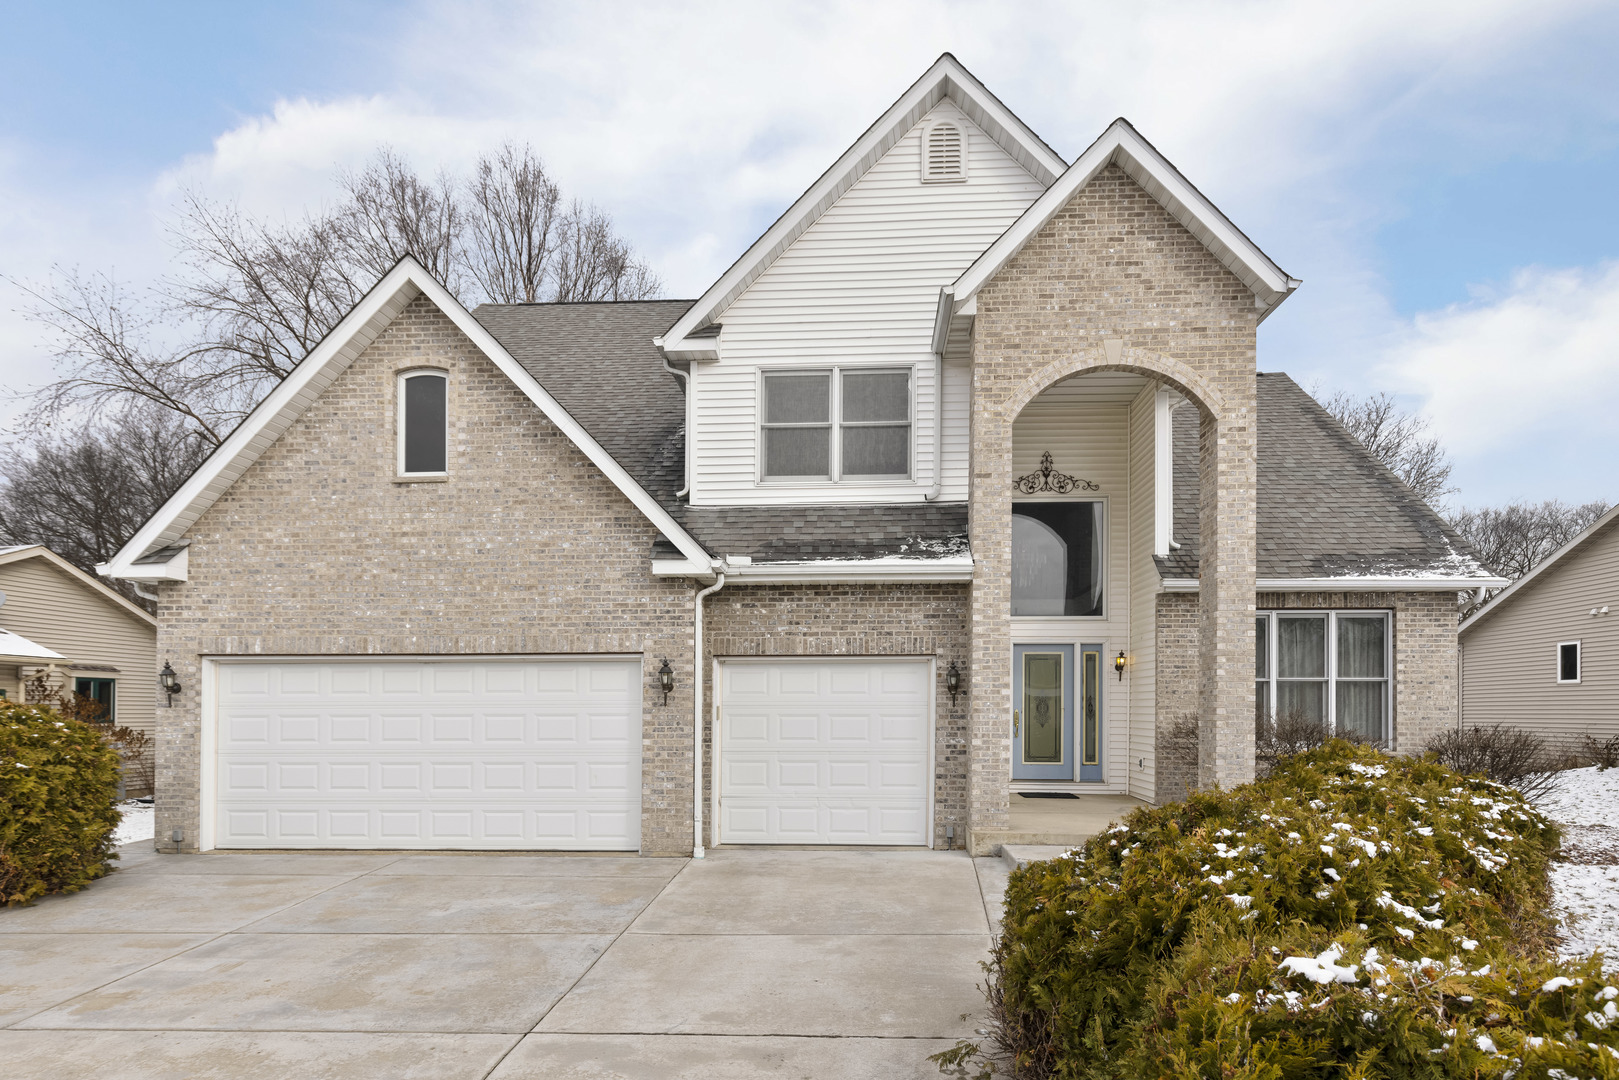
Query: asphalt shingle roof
(1327,508)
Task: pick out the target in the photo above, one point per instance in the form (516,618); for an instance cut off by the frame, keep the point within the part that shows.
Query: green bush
(1352,915)
(58,786)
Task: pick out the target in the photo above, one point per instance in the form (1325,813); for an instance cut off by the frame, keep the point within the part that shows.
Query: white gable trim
(1122,145)
(1545,564)
(288,401)
(39,551)
(945,80)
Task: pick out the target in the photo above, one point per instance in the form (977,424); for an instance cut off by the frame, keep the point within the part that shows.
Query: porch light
(169,681)
(1118,664)
(666,680)
(952,681)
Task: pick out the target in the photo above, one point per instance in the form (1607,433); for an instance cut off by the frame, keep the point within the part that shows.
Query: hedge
(58,791)
(1353,915)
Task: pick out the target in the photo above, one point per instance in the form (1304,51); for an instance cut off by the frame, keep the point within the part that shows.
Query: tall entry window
(1057,558)
(423,423)
(836,424)
(1330,667)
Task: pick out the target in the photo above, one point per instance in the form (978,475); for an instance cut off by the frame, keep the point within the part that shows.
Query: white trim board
(945,80)
(289,400)
(1352,584)
(1122,145)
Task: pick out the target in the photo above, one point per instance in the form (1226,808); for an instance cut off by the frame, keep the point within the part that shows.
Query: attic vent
(944,156)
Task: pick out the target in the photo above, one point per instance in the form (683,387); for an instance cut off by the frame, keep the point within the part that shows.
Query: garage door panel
(832,751)
(534,771)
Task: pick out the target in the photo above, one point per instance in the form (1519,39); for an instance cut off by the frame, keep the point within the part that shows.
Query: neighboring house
(87,637)
(960,482)
(1544,652)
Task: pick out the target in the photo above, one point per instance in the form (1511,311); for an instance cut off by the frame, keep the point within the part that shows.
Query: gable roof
(21,552)
(1122,145)
(1580,540)
(948,80)
(288,401)
(1328,510)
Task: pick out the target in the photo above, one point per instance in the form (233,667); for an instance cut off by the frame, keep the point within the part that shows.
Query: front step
(982,842)
(1017,856)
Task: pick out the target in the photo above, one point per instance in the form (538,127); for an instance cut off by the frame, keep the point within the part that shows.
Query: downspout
(142,593)
(938,428)
(697,737)
(685,450)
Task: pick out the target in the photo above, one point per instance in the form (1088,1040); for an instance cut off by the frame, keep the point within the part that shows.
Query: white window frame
(1107,577)
(835,422)
(1579,663)
(1268,706)
(399,422)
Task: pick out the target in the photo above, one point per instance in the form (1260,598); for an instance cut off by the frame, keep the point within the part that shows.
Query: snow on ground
(1585,883)
(137,823)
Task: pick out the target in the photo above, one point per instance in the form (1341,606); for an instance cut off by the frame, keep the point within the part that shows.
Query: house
(960,484)
(86,637)
(1541,653)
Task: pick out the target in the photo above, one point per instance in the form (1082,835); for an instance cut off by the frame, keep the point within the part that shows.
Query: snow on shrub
(1351,915)
(58,784)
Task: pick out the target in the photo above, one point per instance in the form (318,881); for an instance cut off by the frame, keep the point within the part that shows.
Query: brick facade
(859,620)
(1114,282)
(526,549)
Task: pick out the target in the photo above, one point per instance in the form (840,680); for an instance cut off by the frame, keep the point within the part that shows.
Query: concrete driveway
(750,963)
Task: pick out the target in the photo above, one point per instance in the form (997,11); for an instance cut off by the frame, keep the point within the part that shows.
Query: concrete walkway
(750,963)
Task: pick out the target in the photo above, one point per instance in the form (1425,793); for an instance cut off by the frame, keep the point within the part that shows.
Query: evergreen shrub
(1352,915)
(58,787)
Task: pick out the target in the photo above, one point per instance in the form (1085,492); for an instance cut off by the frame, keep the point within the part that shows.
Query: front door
(1047,692)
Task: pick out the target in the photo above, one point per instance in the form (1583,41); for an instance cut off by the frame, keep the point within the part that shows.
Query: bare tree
(391,212)
(1397,438)
(512,222)
(1515,538)
(592,263)
(83,492)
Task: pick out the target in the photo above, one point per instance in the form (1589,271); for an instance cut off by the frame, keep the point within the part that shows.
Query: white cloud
(1538,358)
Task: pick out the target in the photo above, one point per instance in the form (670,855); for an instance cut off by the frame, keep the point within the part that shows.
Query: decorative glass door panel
(1090,712)
(1043,712)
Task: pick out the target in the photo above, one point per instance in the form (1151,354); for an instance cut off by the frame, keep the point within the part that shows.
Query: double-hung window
(836,424)
(1330,667)
(424,423)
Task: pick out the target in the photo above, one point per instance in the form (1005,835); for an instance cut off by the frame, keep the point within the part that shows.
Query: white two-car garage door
(428,754)
(825,752)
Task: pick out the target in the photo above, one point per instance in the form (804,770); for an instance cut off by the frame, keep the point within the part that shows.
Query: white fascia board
(1512,589)
(1121,144)
(407,280)
(946,79)
(692,568)
(1352,584)
(175,569)
(851,571)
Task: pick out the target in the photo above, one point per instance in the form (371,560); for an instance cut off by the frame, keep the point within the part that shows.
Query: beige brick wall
(1113,266)
(859,620)
(1423,645)
(527,549)
(1176,695)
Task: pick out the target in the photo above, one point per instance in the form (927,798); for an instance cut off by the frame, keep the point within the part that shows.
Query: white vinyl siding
(427,754)
(1142,653)
(825,752)
(859,287)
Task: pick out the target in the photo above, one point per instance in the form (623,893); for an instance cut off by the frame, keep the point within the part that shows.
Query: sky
(1440,175)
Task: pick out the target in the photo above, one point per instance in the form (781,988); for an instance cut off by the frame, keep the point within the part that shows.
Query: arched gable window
(424,423)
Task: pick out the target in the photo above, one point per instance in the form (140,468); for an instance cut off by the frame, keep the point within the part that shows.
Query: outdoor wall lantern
(952,681)
(1118,664)
(169,681)
(666,680)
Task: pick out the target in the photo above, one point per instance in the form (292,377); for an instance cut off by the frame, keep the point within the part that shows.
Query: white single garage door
(410,754)
(825,752)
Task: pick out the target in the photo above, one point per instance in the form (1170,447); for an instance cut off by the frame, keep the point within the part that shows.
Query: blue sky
(1440,175)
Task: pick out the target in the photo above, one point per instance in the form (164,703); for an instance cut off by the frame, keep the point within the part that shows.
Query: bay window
(836,424)
(1329,667)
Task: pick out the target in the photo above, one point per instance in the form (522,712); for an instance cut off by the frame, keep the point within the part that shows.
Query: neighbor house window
(1325,667)
(423,423)
(1568,661)
(100,691)
(837,424)
(1057,557)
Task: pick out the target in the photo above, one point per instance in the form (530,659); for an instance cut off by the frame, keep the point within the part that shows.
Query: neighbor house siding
(1509,659)
(928,621)
(859,286)
(526,549)
(52,609)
